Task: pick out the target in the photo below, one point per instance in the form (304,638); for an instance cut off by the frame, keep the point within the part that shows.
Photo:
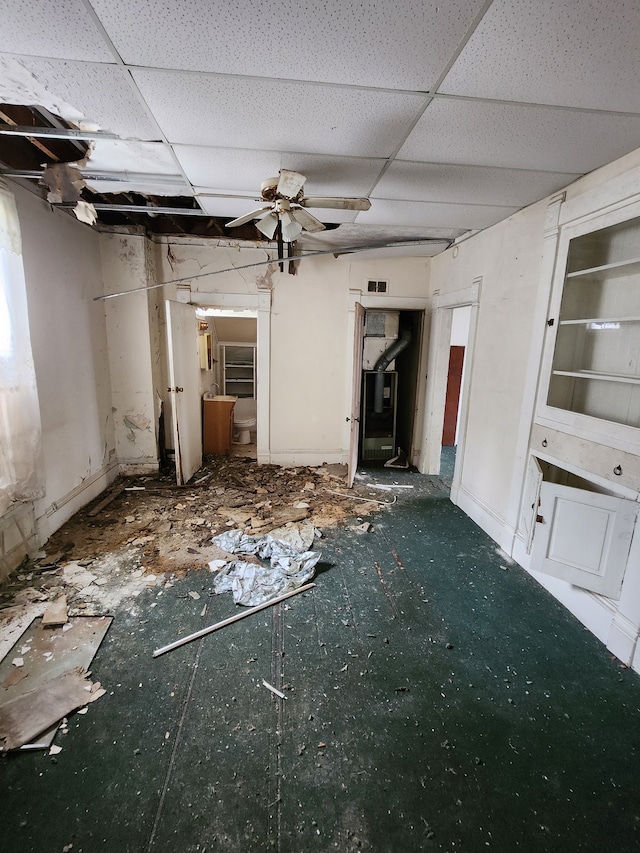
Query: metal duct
(383,362)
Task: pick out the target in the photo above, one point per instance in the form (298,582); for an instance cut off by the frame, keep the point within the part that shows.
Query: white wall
(310,337)
(131,338)
(68,336)
(508,258)
(516,274)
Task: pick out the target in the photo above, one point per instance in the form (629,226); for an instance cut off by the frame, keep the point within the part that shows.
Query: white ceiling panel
(269,115)
(432,215)
(468,184)
(580,54)
(483,133)
(132,156)
(102,93)
(403,45)
(57,28)
(225,168)
(139,185)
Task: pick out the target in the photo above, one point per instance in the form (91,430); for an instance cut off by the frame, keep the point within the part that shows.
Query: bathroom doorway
(234,346)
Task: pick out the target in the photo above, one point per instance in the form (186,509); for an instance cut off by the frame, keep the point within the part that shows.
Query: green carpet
(437,699)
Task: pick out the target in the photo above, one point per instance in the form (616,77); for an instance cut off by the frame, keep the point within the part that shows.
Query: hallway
(437,698)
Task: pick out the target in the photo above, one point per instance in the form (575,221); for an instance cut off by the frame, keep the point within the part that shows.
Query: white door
(354,434)
(184,380)
(583,537)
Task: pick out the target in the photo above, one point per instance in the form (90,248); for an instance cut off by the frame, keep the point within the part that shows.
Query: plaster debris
(56,613)
(65,183)
(86,212)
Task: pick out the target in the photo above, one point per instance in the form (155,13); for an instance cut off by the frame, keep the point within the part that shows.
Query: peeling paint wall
(68,335)
(132,337)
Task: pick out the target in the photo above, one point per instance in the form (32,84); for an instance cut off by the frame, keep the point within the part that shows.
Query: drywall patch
(134,422)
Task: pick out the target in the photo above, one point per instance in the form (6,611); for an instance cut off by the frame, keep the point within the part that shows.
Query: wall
(68,335)
(310,336)
(133,329)
(515,260)
(508,258)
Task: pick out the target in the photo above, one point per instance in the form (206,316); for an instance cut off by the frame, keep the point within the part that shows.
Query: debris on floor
(47,654)
(28,715)
(204,631)
(254,584)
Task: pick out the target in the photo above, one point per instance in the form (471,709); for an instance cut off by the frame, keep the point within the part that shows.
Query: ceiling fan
(286,213)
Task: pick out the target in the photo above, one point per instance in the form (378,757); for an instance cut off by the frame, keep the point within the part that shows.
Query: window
(20,435)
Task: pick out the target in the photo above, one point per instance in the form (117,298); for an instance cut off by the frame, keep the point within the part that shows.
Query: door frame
(443,305)
(355,340)
(259,302)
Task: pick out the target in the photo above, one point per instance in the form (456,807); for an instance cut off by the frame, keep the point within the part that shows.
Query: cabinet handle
(617,470)
(544,442)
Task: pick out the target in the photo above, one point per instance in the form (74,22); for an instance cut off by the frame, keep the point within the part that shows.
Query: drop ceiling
(450,115)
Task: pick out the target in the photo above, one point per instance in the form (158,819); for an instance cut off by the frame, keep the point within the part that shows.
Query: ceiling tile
(57,28)
(102,93)
(520,137)
(580,54)
(432,214)
(404,45)
(225,168)
(156,188)
(132,156)
(468,184)
(268,115)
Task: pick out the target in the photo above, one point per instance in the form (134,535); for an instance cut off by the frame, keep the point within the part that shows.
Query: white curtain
(20,433)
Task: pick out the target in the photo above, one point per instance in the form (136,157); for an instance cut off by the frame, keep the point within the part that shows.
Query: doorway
(391,350)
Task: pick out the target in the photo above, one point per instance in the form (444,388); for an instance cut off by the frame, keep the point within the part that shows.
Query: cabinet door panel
(583,537)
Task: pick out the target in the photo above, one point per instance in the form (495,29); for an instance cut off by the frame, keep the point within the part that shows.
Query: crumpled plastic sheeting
(252,584)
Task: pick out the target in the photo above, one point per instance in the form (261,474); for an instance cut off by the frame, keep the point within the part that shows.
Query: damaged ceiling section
(104,181)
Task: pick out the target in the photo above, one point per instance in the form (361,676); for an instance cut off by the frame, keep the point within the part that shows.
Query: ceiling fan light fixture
(267,225)
(291,229)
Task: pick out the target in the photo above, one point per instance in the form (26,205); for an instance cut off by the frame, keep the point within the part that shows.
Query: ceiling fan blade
(267,225)
(255,214)
(307,220)
(291,228)
(336,203)
(290,183)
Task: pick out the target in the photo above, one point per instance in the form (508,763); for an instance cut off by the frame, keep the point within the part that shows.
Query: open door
(354,419)
(184,379)
(583,537)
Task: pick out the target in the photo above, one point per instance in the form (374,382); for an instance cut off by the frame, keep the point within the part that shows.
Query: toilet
(244,420)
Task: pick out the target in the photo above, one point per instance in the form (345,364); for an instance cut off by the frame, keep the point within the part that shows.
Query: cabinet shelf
(238,364)
(592,374)
(616,269)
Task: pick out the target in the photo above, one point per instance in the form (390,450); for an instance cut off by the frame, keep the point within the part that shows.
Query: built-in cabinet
(580,503)
(596,362)
(239,369)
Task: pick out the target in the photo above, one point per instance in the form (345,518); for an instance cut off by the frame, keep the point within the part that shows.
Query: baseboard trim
(61,510)
(489,521)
